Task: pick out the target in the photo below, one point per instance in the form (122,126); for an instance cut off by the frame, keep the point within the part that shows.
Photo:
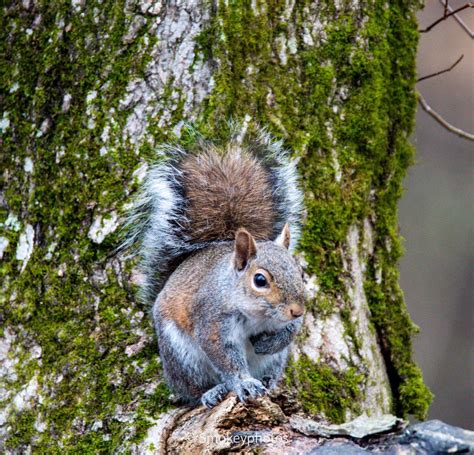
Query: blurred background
(436,219)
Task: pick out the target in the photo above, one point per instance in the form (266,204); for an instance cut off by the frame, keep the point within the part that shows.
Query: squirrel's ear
(284,238)
(245,248)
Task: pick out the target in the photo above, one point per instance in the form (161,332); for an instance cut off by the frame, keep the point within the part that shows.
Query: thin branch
(445,16)
(459,20)
(442,71)
(442,121)
(446,6)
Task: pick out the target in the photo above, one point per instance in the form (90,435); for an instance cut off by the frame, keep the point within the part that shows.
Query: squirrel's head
(270,283)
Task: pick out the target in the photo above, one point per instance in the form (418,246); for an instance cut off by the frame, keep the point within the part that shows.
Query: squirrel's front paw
(248,388)
(214,395)
(263,343)
(271,343)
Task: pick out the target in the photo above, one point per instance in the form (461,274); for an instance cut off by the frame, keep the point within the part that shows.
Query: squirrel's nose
(296,310)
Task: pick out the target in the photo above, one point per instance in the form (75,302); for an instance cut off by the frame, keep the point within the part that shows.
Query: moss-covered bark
(88,89)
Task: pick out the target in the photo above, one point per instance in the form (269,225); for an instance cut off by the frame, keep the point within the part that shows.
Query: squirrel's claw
(248,388)
(214,395)
(244,388)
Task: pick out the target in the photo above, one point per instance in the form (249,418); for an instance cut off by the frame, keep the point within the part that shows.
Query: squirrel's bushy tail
(191,199)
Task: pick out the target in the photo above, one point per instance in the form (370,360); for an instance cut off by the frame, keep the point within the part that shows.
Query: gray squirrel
(214,227)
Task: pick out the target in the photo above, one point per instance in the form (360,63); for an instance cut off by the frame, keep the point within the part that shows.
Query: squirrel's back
(191,199)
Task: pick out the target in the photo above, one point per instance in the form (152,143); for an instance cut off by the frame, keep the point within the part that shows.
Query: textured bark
(264,427)
(87,91)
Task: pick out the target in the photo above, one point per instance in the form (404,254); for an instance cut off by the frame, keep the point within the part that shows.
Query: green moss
(25,424)
(324,392)
(323,306)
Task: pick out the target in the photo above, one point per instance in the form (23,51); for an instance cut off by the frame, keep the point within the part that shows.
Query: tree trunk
(88,89)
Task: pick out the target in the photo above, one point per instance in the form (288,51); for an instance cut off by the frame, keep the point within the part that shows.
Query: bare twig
(442,121)
(458,20)
(442,71)
(445,16)
(446,6)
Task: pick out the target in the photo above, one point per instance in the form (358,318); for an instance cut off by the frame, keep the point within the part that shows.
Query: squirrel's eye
(260,280)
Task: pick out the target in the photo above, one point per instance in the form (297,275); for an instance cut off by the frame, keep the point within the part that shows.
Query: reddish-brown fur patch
(176,307)
(226,192)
